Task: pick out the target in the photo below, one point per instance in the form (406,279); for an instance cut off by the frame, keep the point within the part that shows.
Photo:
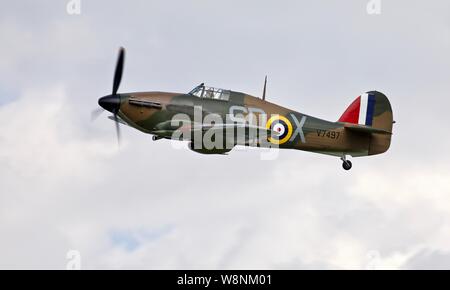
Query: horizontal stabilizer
(365,129)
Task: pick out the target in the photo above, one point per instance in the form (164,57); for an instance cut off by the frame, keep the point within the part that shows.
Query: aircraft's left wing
(241,133)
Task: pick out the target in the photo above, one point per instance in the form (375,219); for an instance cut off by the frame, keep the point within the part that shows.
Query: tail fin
(374,110)
(371,109)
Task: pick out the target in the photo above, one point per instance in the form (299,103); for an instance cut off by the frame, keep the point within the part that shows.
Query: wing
(237,134)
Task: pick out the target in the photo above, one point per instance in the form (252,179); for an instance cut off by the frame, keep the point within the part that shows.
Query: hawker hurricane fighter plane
(215,120)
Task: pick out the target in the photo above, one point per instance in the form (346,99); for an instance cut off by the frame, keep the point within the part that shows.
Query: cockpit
(205,92)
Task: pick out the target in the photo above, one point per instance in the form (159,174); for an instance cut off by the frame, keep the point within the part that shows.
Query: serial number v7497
(328,134)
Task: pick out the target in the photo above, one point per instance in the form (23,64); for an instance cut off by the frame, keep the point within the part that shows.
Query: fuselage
(152,112)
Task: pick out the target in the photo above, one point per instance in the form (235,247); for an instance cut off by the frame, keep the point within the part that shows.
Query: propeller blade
(117,129)
(96,113)
(119,70)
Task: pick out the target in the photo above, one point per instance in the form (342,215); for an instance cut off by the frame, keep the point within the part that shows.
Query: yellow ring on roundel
(289,128)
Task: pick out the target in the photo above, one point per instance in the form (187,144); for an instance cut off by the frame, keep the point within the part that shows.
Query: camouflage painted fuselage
(152,112)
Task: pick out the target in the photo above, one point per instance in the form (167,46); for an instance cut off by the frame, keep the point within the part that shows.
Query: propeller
(96,113)
(119,70)
(111,102)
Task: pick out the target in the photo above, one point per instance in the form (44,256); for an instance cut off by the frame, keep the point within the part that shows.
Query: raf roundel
(281,129)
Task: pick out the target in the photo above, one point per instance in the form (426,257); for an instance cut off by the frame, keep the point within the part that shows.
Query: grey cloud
(429,259)
(64,185)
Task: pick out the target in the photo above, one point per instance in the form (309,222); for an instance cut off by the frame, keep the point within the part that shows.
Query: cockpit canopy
(205,92)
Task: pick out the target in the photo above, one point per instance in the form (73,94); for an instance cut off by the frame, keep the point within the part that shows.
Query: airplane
(233,118)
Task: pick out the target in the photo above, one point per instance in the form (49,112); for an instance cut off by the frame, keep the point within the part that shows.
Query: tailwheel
(347,164)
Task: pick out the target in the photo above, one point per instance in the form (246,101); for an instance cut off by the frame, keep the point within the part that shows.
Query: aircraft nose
(110,103)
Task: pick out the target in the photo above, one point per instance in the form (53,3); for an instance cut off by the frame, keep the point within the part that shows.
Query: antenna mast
(264,90)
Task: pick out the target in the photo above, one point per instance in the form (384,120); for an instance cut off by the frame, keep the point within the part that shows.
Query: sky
(66,186)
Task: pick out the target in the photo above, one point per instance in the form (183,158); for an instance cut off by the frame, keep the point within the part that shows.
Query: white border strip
(363,109)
